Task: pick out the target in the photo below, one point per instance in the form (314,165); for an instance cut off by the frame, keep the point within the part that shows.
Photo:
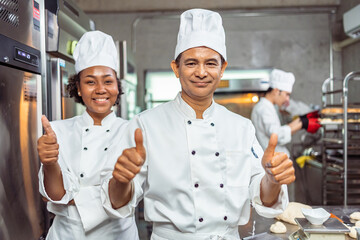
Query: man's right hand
(131,160)
(47,146)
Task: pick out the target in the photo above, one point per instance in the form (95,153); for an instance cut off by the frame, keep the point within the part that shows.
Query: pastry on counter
(292,211)
(278,227)
(355,215)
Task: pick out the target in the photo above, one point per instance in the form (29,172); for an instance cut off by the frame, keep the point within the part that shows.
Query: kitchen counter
(258,224)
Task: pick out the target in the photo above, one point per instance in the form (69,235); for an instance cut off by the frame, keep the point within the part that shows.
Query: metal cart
(340,144)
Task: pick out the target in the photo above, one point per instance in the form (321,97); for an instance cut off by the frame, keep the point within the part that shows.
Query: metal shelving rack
(340,145)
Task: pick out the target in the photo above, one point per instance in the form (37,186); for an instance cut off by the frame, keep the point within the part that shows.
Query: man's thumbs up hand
(131,160)
(48,148)
(278,167)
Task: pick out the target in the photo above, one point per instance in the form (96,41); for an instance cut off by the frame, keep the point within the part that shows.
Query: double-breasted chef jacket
(199,175)
(266,121)
(83,155)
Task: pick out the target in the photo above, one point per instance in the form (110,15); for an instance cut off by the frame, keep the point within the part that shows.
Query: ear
(175,68)
(78,88)
(223,67)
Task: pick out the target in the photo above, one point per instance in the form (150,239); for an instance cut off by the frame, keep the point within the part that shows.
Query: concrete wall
(351,54)
(297,43)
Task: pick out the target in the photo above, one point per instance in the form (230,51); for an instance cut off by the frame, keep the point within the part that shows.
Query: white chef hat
(200,27)
(281,80)
(95,48)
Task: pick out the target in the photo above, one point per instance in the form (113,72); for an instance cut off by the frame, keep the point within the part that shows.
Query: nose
(100,88)
(201,71)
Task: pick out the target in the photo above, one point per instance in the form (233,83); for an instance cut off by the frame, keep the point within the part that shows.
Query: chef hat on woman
(200,27)
(281,80)
(95,48)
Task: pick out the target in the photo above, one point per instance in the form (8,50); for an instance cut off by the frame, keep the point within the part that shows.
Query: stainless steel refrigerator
(65,24)
(22,212)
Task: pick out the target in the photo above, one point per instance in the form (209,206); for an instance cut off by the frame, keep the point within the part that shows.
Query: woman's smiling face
(99,90)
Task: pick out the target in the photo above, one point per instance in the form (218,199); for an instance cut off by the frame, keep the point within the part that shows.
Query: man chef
(266,120)
(203,163)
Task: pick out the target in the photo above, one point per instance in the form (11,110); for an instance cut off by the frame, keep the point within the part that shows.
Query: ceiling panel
(102,6)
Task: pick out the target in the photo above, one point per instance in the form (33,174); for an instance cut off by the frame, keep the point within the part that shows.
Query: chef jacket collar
(107,121)
(190,112)
(266,101)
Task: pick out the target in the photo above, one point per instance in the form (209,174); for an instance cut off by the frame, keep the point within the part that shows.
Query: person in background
(203,164)
(266,120)
(74,152)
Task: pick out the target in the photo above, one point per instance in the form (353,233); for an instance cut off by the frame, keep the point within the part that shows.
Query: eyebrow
(92,76)
(196,60)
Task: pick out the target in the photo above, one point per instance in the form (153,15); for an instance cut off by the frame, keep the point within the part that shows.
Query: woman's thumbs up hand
(47,146)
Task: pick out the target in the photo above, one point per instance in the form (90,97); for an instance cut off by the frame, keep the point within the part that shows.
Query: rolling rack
(340,144)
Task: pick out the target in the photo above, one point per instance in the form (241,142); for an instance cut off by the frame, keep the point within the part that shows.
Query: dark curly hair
(72,89)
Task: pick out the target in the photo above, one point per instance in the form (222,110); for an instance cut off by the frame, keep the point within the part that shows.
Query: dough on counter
(355,215)
(278,227)
(357,224)
(352,233)
(292,211)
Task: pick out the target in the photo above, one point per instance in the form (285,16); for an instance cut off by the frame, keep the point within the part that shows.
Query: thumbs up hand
(131,160)
(278,167)
(47,146)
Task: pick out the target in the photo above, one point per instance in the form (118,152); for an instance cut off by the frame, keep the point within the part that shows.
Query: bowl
(316,216)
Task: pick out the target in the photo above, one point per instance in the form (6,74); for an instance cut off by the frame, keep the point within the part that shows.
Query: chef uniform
(200,175)
(265,117)
(83,156)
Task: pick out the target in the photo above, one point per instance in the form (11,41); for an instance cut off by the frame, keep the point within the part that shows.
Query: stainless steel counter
(258,224)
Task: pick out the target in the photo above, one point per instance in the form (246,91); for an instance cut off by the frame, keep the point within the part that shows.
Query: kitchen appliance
(22,211)
(240,90)
(65,24)
(351,20)
(332,229)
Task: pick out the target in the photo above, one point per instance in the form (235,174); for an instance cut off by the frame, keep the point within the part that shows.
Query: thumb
(270,150)
(47,127)
(139,143)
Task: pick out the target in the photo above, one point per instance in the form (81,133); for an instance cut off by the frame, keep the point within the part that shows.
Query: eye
(212,64)
(90,82)
(109,81)
(190,64)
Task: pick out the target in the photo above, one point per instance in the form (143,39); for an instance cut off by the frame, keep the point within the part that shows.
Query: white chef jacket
(266,121)
(199,175)
(83,156)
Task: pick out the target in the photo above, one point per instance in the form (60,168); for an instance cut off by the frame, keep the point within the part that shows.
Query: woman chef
(74,152)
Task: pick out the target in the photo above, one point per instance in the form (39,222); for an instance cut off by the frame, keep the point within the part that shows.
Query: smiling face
(99,90)
(199,71)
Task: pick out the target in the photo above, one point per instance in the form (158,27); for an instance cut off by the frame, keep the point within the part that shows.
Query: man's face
(199,71)
(283,98)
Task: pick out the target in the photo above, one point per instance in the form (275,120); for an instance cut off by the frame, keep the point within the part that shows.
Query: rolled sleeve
(274,210)
(125,211)
(70,188)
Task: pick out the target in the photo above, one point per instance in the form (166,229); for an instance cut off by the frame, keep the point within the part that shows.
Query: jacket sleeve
(71,186)
(272,125)
(257,173)
(138,182)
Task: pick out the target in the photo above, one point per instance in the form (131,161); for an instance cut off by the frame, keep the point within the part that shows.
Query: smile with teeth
(100,99)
